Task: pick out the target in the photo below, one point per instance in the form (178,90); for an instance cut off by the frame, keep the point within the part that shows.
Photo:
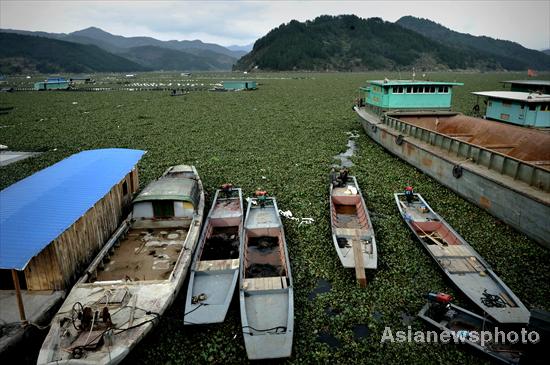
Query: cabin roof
(515,95)
(36,210)
(528,82)
(412,82)
(169,188)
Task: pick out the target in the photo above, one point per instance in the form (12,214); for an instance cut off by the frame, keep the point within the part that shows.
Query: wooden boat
(265,291)
(460,262)
(352,232)
(467,327)
(215,268)
(502,168)
(134,278)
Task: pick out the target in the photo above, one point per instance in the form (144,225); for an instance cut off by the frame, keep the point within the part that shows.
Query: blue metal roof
(39,208)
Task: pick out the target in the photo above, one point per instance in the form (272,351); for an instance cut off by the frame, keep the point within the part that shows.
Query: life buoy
(457,171)
(399,140)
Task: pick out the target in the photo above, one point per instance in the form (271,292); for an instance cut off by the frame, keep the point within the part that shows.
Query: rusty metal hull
(460,166)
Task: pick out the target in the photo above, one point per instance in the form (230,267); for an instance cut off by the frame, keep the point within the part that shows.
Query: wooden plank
(359,264)
(214,265)
(507,299)
(20,305)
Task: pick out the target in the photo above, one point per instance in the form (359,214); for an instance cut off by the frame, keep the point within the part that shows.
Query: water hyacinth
(282,138)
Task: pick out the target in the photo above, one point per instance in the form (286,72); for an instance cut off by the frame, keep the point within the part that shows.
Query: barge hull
(515,203)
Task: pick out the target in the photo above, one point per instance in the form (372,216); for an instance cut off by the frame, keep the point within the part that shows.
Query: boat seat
(274,282)
(352,232)
(215,265)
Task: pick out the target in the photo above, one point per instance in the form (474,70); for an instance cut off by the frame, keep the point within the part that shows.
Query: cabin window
(506,104)
(522,106)
(432,89)
(125,188)
(415,89)
(409,89)
(532,107)
(163,209)
(386,90)
(445,89)
(398,89)
(545,107)
(490,103)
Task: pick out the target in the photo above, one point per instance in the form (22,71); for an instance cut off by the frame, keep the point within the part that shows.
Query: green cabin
(240,85)
(387,95)
(54,83)
(520,108)
(529,86)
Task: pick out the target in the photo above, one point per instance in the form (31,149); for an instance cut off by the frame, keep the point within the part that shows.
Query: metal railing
(519,170)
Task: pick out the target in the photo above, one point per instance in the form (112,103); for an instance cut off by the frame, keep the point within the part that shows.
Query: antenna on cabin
(414,74)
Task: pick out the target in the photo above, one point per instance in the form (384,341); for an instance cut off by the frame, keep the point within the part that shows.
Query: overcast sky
(242,22)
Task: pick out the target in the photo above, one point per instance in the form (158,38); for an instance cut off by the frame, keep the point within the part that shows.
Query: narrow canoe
(461,263)
(351,223)
(265,292)
(215,268)
(467,327)
(134,278)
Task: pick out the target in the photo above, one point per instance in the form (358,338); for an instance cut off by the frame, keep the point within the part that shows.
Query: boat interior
(264,261)
(526,144)
(349,217)
(144,254)
(221,248)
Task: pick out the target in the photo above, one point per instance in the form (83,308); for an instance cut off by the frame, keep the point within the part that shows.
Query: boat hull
(347,228)
(266,293)
(461,263)
(124,309)
(214,272)
(523,207)
(467,321)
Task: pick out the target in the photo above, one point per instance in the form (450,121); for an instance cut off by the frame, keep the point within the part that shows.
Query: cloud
(242,22)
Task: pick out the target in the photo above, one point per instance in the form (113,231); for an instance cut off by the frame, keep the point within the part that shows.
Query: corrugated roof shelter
(53,221)
(529,86)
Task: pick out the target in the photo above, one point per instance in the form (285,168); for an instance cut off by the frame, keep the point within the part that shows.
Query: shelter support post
(19,297)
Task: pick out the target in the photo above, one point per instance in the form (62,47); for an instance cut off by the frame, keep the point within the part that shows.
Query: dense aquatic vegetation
(282,138)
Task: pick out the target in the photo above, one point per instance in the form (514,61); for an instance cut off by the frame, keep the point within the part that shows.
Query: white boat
(351,225)
(134,278)
(266,293)
(215,268)
(460,262)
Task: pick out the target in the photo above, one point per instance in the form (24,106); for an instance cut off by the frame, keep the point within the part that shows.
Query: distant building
(76,80)
(520,108)
(387,95)
(529,86)
(53,83)
(240,85)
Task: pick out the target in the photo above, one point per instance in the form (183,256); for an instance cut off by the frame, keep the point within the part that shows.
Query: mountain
(213,56)
(23,53)
(158,58)
(546,51)
(509,55)
(121,42)
(347,42)
(245,49)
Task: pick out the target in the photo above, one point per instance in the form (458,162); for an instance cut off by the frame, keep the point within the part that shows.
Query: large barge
(503,168)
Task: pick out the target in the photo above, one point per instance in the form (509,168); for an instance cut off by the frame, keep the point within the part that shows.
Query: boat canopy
(179,189)
(515,95)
